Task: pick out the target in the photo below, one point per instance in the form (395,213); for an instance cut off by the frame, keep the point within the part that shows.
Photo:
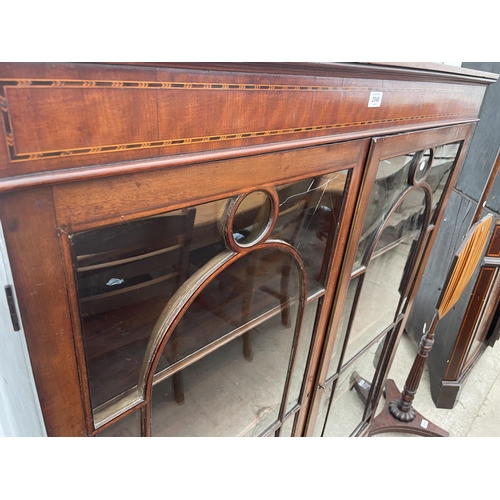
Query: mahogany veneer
(87,146)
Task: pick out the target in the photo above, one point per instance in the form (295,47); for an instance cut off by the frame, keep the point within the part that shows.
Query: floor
(226,411)
(476,414)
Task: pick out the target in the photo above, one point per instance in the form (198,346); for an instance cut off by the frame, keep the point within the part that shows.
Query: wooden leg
(178,387)
(401,407)
(361,386)
(386,422)
(247,346)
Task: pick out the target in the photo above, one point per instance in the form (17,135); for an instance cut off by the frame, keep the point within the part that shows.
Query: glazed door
(200,295)
(407,183)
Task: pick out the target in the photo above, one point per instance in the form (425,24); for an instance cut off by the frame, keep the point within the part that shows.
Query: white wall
(20,413)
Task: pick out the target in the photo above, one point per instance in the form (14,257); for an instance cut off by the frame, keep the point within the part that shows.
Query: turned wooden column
(402,408)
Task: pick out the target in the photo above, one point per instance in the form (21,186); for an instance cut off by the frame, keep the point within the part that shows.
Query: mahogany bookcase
(217,249)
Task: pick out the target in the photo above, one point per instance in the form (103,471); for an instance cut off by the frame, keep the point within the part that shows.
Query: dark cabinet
(480,326)
(223,250)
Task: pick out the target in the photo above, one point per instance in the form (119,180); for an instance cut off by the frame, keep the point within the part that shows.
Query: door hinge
(12,308)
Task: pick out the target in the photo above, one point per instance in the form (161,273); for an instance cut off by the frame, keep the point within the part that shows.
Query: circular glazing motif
(423,166)
(249,219)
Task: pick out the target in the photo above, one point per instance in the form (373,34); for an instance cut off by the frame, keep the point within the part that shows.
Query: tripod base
(385,422)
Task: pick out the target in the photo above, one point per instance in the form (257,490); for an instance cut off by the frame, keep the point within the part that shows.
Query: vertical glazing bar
(351,319)
(332,392)
(146,420)
(298,324)
(374,383)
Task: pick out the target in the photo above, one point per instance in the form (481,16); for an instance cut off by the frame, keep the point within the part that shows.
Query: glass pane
(342,328)
(309,214)
(129,426)
(126,273)
(423,166)
(322,411)
(385,276)
(287,427)
(390,183)
(442,166)
(306,332)
(351,391)
(260,285)
(225,393)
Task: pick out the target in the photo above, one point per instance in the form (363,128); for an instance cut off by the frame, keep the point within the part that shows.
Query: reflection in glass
(349,398)
(423,165)
(390,183)
(226,394)
(342,328)
(387,247)
(287,427)
(299,371)
(385,278)
(261,284)
(126,273)
(309,213)
(323,409)
(442,166)
(251,218)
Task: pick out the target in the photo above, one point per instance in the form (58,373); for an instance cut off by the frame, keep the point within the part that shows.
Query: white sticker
(424,424)
(375,99)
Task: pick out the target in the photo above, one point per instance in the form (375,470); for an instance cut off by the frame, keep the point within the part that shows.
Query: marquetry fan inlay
(466,260)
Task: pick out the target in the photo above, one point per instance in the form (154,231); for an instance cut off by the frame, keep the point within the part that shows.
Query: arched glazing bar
(372,253)
(240,244)
(185,297)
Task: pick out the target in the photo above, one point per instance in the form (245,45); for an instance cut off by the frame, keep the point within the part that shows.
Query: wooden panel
(76,118)
(33,246)
(59,117)
(476,302)
(435,72)
(85,204)
(494,248)
(109,114)
(412,142)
